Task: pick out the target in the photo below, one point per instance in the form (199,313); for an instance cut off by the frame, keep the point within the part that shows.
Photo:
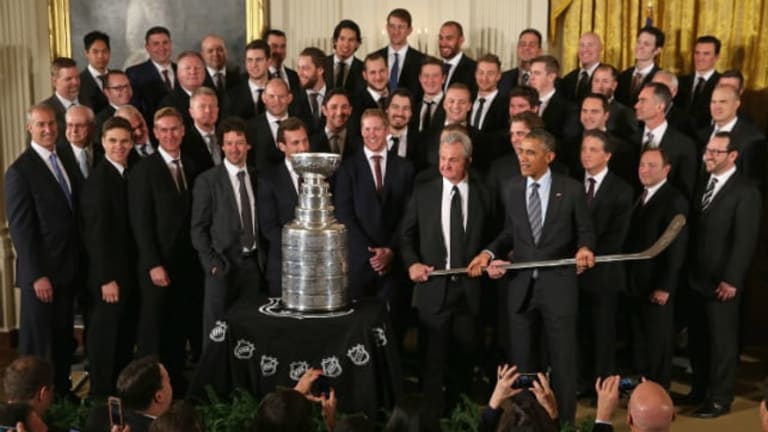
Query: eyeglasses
(713,152)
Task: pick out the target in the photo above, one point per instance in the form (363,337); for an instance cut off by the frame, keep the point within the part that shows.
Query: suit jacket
(464,73)
(195,147)
(648,222)
(751,142)
(509,80)
(319,142)
(101,117)
(422,241)
(415,151)
(569,83)
(567,227)
(302,108)
(239,102)
(232,79)
(438,116)
(264,153)
(354,82)
(410,69)
(91,94)
(160,214)
(610,210)
(561,118)
(67,158)
(682,121)
(179,99)
(602,427)
(106,228)
(682,155)
(696,106)
(724,235)
(622,120)
(59,111)
(276,204)
(148,88)
(497,117)
(42,224)
(624,93)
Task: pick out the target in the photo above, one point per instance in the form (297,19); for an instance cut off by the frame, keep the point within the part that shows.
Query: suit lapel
(436,210)
(226,185)
(474,211)
(555,196)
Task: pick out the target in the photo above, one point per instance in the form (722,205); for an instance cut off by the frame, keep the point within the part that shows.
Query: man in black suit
(402,61)
(342,68)
(448,220)
(457,103)
(200,139)
(277,41)
(190,75)
(749,141)
(651,108)
(724,222)
(42,219)
(337,136)
(112,257)
(622,120)
(142,143)
(677,117)
(219,75)
(159,192)
(650,41)
(559,114)
(308,107)
(262,130)
(245,100)
(523,98)
(508,166)
(66,87)
(93,77)
(376,91)
(652,283)
(609,200)
(277,197)
(577,83)
(403,140)
(459,68)
(429,112)
(156,77)
(118,91)
(490,110)
(78,154)
(225,227)
(528,48)
(696,88)
(546,218)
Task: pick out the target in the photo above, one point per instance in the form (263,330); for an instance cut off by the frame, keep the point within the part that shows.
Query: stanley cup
(314,244)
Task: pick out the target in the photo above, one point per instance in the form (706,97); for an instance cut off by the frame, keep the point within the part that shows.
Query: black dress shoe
(691,398)
(712,410)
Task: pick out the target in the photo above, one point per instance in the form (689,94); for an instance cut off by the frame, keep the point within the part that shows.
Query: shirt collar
(722,178)
(96,74)
(232,169)
(438,97)
(212,72)
(644,71)
(167,157)
(400,53)
(376,95)
(118,167)
(599,177)
(544,99)
(544,181)
(455,60)
(348,62)
(369,154)
(489,97)
(66,102)
(706,75)
(591,69)
(653,189)
(40,150)
(272,119)
(728,126)
(658,132)
(463,186)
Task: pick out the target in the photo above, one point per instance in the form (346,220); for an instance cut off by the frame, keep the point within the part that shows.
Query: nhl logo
(268,365)
(297,370)
(380,336)
(244,350)
(331,367)
(219,332)
(358,355)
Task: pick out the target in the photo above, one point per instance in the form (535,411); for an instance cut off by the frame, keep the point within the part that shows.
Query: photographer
(649,409)
(292,409)
(511,404)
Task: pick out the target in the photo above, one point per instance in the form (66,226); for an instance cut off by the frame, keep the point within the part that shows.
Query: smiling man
(695,90)
(578,83)
(650,41)
(66,88)
(459,67)
(156,77)
(342,68)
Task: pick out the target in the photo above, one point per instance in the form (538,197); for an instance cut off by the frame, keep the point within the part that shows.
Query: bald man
(578,82)
(650,409)
(219,75)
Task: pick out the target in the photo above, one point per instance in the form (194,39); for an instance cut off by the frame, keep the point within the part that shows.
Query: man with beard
(459,68)
(310,100)
(402,140)
(335,136)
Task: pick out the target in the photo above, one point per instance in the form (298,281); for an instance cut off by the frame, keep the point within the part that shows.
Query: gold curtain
(737,23)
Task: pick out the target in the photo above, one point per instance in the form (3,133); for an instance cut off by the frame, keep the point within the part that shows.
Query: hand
(478,264)
(213,270)
(420,272)
(159,276)
(725,291)
(544,395)
(381,259)
(328,409)
(43,289)
(495,269)
(506,376)
(20,427)
(585,259)
(110,292)
(607,397)
(304,386)
(659,297)
(118,428)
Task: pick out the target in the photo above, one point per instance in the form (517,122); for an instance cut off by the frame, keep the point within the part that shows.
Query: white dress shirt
(45,154)
(445,212)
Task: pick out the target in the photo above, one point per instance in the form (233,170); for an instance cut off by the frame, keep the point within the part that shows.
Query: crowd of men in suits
(157,195)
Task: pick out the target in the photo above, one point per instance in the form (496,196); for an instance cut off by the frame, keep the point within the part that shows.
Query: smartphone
(322,385)
(115,411)
(525,380)
(628,384)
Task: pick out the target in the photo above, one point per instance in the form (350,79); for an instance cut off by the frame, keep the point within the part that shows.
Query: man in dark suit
(749,141)
(622,120)
(93,77)
(546,218)
(277,41)
(403,140)
(42,219)
(696,88)
(508,166)
(457,103)
(118,91)
(678,118)
(277,197)
(559,114)
(66,87)
(609,200)
(650,41)
(724,222)
(337,136)
(680,150)
(649,408)
(112,256)
(78,154)
(244,100)
(225,227)
(428,111)
(577,83)
(219,75)
(528,48)
(490,110)
(159,192)
(459,68)
(342,68)
(142,143)
(402,61)
(308,107)
(448,220)
(200,140)
(190,75)
(262,130)
(156,77)
(376,91)
(652,283)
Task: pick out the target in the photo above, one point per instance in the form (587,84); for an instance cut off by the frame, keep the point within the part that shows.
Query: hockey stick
(673,229)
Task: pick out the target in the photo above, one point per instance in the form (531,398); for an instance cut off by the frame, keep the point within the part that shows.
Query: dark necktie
(259,105)
(583,87)
(446,71)
(246,218)
(637,80)
(213,148)
(457,229)
(167,80)
(644,196)
(314,105)
(524,78)
(698,89)
(377,172)
(103,81)
(382,101)
(427,119)
(334,141)
(706,200)
(534,212)
(648,142)
(590,191)
(478,113)
(395,144)
(393,72)
(340,74)
(219,82)
(275,74)
(178,176)
(60,178)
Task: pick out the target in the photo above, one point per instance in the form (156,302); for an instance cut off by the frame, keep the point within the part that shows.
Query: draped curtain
(737,23)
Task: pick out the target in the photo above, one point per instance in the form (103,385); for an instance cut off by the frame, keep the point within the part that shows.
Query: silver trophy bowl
(323,164)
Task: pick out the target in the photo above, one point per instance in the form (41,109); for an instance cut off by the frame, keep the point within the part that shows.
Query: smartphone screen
(525,381)
(322,385)
(115,412)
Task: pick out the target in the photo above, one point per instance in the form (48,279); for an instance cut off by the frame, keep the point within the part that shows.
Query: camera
(525,380)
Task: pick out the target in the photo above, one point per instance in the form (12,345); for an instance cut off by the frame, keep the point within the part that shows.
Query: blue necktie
(393,73)
(60,178)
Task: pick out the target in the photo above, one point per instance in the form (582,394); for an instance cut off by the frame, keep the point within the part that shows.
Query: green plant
(464,418)
(65,414)
(235,415)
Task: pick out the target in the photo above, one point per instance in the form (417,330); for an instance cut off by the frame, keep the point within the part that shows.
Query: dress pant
(653,338)
(597,333)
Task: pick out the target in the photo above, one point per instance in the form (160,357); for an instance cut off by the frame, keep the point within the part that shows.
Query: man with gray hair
(456,208)
(677,117)
(142,143)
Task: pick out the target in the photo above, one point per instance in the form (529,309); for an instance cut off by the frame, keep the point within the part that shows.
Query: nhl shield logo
(297,369)
(219,332)
(380,336)
(331,367)
(358,355)
(244,350)
(268,365)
